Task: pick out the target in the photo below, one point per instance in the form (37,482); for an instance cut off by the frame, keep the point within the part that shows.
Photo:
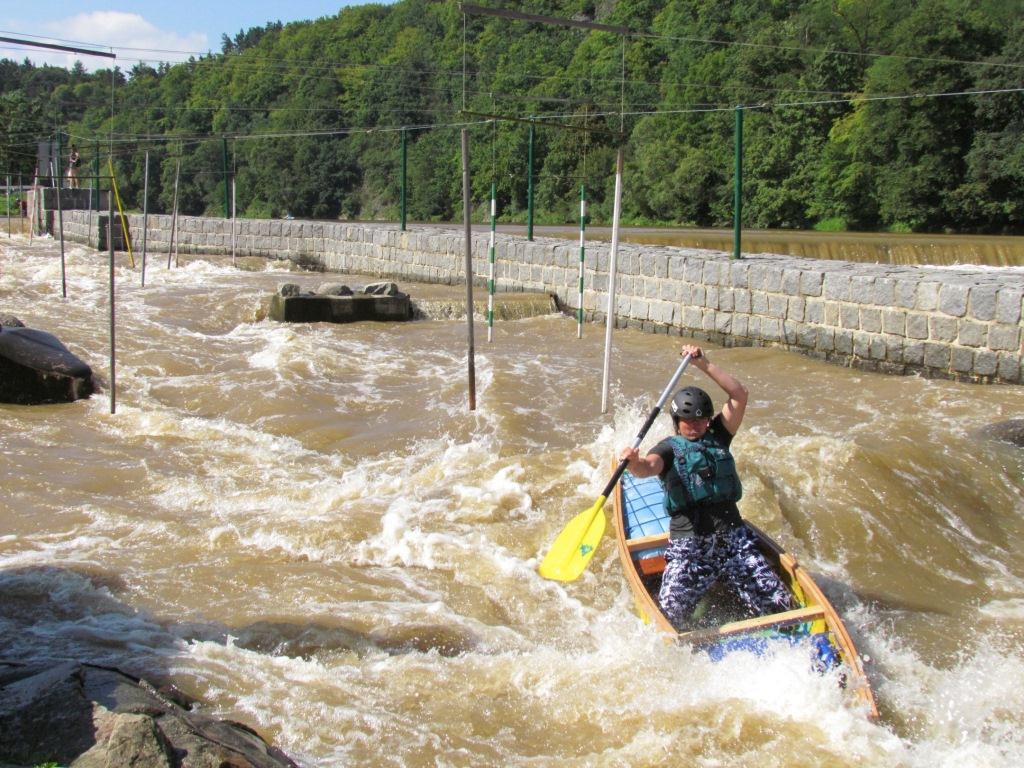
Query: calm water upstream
(305,527)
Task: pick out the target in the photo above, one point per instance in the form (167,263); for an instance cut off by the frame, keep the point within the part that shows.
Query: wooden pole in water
(469,267)
(612,267)
(113,360)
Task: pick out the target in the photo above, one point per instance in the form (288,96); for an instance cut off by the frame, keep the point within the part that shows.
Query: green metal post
(737,203)
(529,187)
(404,158)
(227,193)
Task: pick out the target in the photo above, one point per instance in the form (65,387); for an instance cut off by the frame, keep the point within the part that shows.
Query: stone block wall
(962,323)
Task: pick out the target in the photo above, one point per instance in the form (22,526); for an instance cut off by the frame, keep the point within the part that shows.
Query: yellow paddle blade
(575,545)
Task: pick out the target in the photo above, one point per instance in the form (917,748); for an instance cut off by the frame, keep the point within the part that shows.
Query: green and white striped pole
(490,260)
(583,250)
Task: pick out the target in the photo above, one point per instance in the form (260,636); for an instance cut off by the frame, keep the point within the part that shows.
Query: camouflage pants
(694,564)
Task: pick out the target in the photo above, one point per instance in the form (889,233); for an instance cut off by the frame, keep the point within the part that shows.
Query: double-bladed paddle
(571,551)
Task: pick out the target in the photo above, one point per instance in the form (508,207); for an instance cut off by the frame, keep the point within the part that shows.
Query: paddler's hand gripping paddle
(571,551)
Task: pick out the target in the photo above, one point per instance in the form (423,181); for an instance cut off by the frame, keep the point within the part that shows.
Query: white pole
(583,250)
(612,266)
(490,267)
(174,213)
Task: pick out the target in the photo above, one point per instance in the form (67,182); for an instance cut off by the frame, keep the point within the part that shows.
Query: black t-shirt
(704,518)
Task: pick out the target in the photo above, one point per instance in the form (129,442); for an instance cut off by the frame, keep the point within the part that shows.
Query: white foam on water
(1004,610)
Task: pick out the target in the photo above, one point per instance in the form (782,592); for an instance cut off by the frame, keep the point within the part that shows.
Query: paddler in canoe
(708,540)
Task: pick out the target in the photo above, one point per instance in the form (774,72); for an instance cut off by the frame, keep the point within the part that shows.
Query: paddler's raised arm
(736,405)
(647,466)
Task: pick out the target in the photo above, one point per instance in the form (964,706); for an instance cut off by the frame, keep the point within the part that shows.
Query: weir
(962,323)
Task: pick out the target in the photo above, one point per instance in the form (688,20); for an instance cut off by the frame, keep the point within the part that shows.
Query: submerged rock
(86,716)
(1009,431)
(35,367)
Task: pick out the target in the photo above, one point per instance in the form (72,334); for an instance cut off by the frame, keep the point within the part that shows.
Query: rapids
(305,527)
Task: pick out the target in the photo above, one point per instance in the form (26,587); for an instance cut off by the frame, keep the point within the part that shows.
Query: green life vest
(705,474)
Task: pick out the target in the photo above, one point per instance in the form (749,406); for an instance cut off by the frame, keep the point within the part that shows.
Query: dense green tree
(858,113)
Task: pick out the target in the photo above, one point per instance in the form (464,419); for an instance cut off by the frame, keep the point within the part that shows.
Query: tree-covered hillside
(905,115)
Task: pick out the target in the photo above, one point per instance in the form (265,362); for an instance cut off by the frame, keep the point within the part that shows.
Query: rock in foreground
(35,367)
(86,716)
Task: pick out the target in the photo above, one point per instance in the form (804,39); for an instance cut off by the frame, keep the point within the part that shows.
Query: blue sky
(152,28)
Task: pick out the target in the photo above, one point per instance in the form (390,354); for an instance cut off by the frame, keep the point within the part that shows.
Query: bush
(833,224)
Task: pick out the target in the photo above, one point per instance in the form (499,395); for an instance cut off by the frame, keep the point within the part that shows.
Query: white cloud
(131,37)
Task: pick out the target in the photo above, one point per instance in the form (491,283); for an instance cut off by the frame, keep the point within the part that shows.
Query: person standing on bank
(708,540)
(73,160)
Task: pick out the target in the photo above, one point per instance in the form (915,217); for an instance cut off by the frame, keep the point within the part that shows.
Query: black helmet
(692,403)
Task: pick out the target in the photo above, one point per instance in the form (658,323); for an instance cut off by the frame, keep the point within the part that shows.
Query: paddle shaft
(617,475)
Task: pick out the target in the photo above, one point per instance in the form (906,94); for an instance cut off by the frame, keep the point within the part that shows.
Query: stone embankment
(961,323)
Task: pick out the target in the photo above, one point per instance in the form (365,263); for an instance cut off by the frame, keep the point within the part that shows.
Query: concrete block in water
(290,306)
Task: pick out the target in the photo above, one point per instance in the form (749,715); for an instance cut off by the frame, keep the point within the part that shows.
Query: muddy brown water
(305,527)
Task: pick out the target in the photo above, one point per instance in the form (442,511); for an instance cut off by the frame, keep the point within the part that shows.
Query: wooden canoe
(641,528)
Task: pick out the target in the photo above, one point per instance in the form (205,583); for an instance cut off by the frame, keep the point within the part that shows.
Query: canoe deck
(641,526)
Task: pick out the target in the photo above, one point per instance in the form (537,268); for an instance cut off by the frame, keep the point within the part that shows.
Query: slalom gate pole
(120,213)
(490,264)
(145,217)
(113,356)
(174,213)
(583,250)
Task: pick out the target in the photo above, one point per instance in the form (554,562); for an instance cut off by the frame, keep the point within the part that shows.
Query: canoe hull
(641,528)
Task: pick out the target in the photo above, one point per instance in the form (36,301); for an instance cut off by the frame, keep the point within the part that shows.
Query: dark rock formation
(336,303)
(86,716)
(1009,431)
(36,368)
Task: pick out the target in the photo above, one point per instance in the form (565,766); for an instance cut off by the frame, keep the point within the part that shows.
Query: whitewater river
(305,527)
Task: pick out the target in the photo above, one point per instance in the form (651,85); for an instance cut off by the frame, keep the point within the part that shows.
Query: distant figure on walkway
(73,159)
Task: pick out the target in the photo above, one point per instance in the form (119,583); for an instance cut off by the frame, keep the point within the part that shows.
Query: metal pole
(8,206)
(529,187)
(145,217)
(234,210)
(737,202)
(490,263)
(113,358)
(405,157)
(469,267)
(612,266)
(174,213)
(224,156)
(60,226)
(583,250)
